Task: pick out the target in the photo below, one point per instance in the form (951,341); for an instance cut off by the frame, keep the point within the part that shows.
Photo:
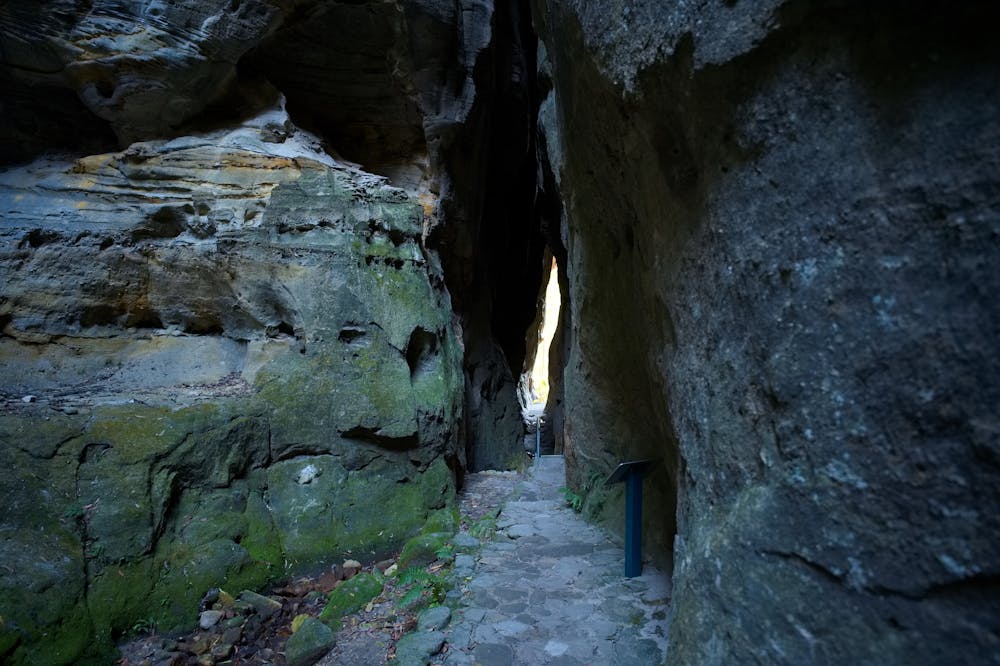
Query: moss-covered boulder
(435,536)
(422,549)
(350,597)
(369,512)
(442,521)
(310,641)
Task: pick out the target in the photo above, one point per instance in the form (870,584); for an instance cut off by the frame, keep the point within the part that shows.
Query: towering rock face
(221,352)
(782,223)
(248,278)
(435,96)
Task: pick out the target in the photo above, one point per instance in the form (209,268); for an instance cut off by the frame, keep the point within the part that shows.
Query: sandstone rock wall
(436,96)
(782,223)
(220,354)
(250,255)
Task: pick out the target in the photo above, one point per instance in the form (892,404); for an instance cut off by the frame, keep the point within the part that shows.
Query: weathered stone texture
(197,321)
(435,95)
(143,66)
(782,223)
(223,342)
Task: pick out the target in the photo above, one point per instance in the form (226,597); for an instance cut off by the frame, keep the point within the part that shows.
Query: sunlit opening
(538,381)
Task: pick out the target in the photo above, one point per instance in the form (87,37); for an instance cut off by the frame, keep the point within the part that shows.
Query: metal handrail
(631,474)
(538,438)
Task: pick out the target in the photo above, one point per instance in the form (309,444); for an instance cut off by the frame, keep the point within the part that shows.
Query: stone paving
(549,589)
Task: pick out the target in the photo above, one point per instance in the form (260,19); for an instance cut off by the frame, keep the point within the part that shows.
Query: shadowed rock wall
(494,269)
(782,223)
(226,338)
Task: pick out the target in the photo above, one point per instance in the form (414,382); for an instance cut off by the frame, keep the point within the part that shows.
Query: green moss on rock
(69,640)
(39,433)
(132,511)
(422,549)
(42,595)
(350,597)
(332,513)
(119,595)
(187,573)
(262,540)
(310,641)
(444,520)
(140,432)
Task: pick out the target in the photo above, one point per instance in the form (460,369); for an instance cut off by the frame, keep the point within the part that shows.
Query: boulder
(309,643)
(422,549)
(434,619)
(258,603)
(208,619)
(416,648)
(350,597)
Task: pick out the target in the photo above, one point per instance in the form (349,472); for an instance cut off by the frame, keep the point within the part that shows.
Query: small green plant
(595,494)
(573,500)
(145,626)
(446,552)
(422,587)
(484,528)
(74,512)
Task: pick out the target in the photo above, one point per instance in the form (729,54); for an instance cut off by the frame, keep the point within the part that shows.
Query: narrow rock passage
(549,589)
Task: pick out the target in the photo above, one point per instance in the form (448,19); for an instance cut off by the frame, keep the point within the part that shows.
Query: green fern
(411,597)
(573,500)
(484,528)
(595,493)
(145,626)
(413,575)
(423,587)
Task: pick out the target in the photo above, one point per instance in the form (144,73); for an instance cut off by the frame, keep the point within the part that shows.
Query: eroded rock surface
(436,96)
(234,348)
(228,351)
(782,222)
(775,222)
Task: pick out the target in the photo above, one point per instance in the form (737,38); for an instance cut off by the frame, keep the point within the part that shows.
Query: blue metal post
(631,473)
(633,523)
